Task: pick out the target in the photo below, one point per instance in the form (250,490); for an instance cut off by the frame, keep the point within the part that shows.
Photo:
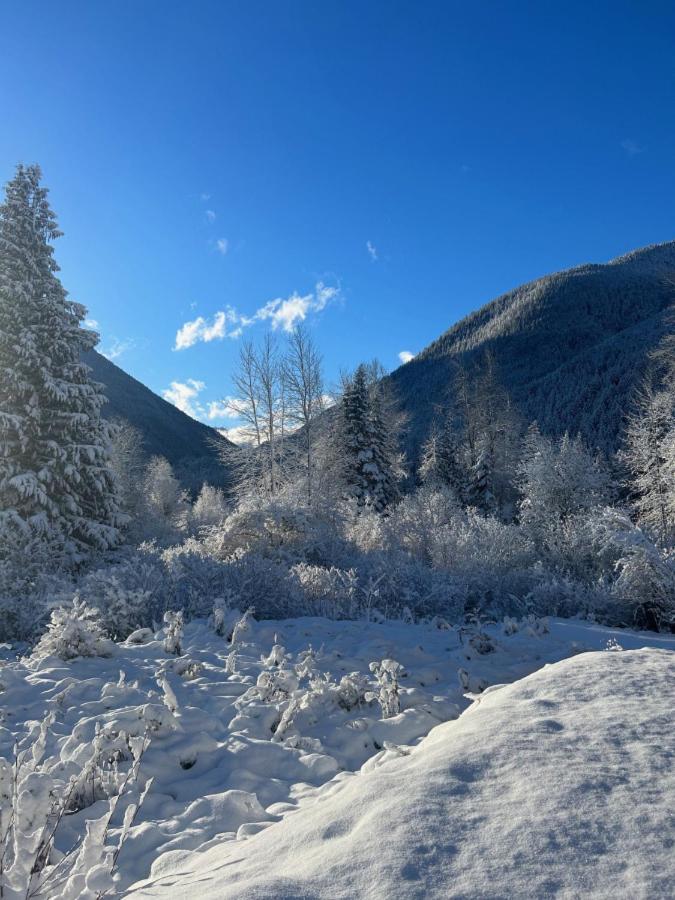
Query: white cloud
(631,147)
(372,249)
(210,215)
(240,435)
(91,323)
(405,356)
(116,348)
(200,330)
(222,245)
(281,313)
(184,395)
(227,408)
(287,313)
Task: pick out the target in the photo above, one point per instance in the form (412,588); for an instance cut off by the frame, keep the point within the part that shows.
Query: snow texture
(561,784)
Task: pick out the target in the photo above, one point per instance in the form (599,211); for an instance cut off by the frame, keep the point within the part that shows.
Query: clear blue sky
(472,146)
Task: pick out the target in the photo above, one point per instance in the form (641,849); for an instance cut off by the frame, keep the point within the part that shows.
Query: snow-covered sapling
(243,627)
(173,639)
(387,675)
(74,630)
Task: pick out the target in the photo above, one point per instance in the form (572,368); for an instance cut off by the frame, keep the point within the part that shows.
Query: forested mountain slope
(190,446)
(570,347)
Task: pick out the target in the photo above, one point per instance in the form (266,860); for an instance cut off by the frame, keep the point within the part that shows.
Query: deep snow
(561,784)
(223,770)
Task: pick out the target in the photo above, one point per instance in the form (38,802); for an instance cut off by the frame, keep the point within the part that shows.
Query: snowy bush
(36,798)
(386,674)
(645,587)
(122,610)
(173,632)
(209,509)
(194,578)
(324,592)
(74,630)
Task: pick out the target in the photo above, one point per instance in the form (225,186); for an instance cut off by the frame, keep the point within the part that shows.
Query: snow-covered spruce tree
(369,470)
(441,462)
(56,482)
(491,438)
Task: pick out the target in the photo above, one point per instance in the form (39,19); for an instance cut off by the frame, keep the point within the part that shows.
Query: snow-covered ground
(561,785)
(562,776)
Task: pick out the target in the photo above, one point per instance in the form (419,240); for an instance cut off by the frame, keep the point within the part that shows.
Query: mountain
(191,448)
(570,348)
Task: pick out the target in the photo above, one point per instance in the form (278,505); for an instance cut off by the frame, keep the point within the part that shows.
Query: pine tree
(55,479)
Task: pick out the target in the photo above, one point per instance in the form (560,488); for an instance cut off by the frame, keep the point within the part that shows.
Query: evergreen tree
(441,461)
(56,482)
(370,462)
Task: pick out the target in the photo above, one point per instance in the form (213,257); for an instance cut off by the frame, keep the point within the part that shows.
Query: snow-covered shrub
(402,581)
(364,528)
(416,522)
(280,531)
(259,582)
(140,571)
(166,507)
(37,795)
(242,628)
(122,610)
(490,559)
(195,578)
(173,632)
(74,630)
(352,691)
(645,587)
(209,509)
(386,674)
(324,592)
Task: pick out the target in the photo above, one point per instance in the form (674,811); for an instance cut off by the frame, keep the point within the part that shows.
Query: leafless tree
(304,394)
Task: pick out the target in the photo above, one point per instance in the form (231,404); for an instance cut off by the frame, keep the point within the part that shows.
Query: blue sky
(381,167)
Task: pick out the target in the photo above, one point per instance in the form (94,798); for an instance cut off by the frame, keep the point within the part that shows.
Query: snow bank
(561,784)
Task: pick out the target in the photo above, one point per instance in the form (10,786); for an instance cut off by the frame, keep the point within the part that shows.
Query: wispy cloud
(372,249)
(281,313)
(205,197)
(631,147)
(405,356)
(210,215)
(222,245)
(91,323)
(116,348)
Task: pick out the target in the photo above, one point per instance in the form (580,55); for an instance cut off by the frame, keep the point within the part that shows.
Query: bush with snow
(74,630)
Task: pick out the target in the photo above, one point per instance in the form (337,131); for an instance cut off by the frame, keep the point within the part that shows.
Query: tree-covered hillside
(570,348)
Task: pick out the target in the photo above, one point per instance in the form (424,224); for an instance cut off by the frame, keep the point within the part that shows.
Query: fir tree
(55,479)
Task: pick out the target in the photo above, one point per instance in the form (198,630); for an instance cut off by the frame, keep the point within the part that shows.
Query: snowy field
(556,785)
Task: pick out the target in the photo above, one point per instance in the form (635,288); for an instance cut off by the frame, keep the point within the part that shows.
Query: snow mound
(561,784)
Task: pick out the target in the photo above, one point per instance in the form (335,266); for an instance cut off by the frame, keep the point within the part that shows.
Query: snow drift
(559,784)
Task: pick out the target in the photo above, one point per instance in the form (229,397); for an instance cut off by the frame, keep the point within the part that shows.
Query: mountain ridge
(192,448)
(599,320)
